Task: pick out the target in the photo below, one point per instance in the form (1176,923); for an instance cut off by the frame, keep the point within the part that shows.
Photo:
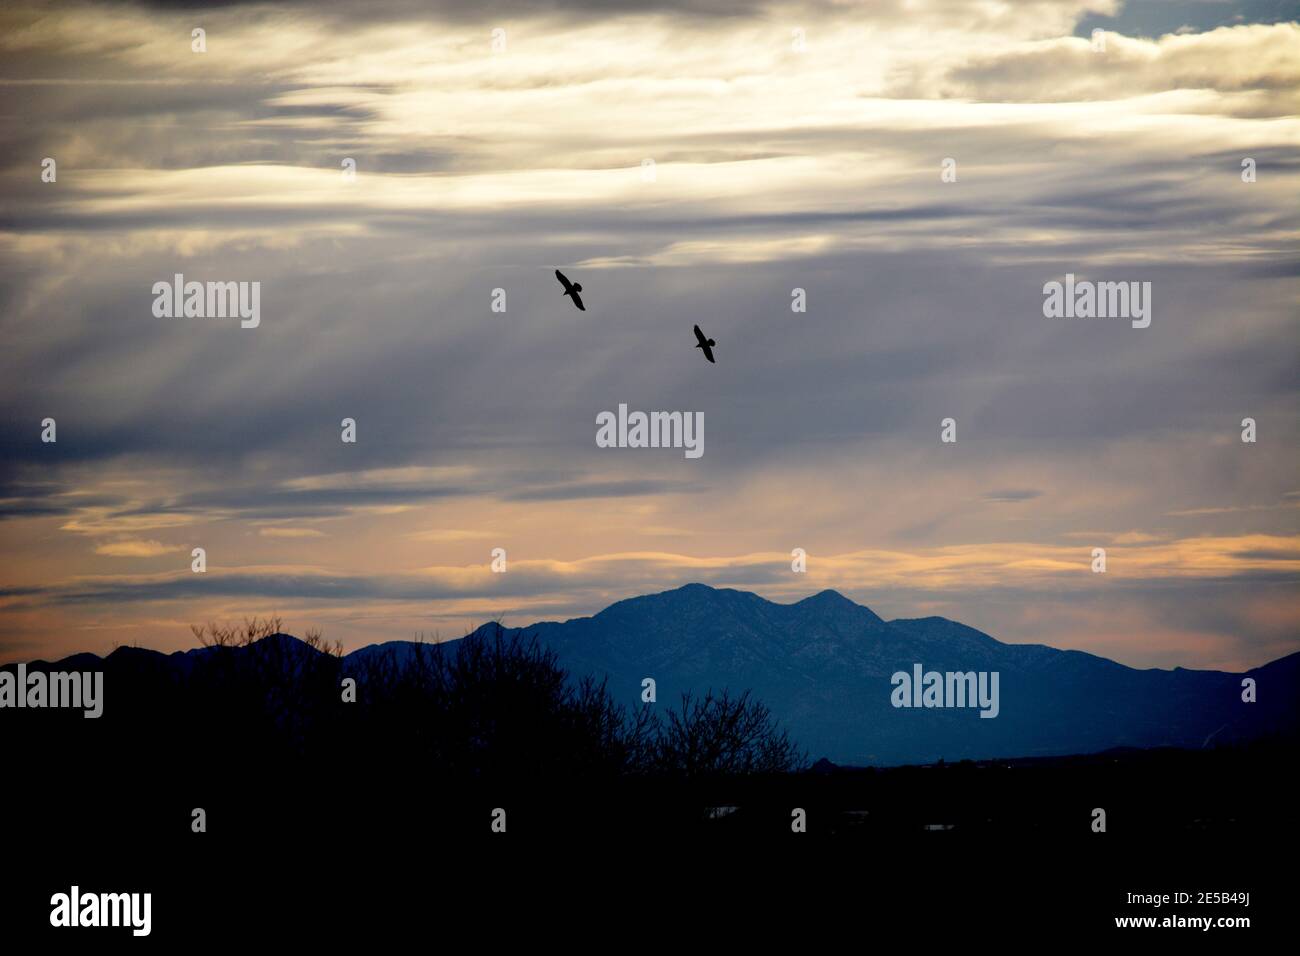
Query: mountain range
(824,666)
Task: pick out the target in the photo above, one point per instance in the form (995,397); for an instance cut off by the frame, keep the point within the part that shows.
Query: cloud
(602,489)
(133,549)
(290,533)
(450,534)
(1012,495)
(1232,61)
(1019,565)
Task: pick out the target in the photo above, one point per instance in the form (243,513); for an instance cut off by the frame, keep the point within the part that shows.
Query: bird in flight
(571,289)
(704,343)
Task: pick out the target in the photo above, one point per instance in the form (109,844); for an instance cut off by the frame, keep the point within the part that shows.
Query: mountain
(823,666)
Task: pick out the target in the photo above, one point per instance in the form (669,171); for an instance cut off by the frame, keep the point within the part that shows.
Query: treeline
(491,706)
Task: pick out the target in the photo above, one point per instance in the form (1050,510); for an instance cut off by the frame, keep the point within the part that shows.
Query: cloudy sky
(793,146)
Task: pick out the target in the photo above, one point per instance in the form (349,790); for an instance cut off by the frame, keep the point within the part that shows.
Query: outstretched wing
(577,300)
(564,281)
(708,353)
(702,339)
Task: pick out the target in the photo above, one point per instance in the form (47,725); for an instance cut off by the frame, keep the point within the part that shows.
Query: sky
(686,163)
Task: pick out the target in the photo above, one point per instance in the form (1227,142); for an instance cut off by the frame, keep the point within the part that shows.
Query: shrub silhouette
(276,694)
(492,705)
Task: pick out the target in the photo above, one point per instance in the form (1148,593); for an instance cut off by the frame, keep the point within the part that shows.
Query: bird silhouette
(704,343)
(571,289)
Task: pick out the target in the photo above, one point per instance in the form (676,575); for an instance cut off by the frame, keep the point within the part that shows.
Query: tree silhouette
(720,734)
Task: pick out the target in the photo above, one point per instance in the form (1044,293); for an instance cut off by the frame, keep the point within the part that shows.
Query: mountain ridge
(824,666)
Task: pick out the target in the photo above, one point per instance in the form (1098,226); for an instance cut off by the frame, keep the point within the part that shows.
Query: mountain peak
(694,587)
(696,591)
(828,597)
(834,603)
(704,598)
